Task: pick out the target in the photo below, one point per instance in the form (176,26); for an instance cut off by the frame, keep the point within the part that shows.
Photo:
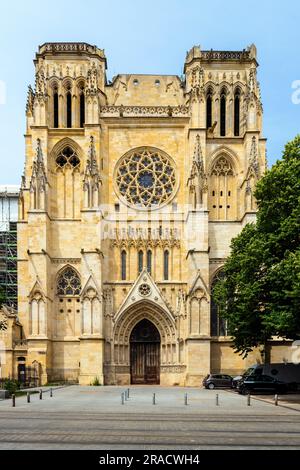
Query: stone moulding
(70,47)
(172,369)
(225,55)
(147,111)
(66,260)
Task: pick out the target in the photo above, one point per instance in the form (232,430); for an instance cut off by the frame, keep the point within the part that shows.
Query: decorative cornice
(66,260)
(196,54)
(225,55)
(70,47)
(146,111)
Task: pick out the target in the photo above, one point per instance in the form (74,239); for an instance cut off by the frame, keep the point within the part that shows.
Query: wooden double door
(145,354)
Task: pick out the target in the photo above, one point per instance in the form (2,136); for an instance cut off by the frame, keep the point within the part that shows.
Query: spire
(91,88)
(93,158)
(198,157)
(30,100)
(252,80)
(92,180)
(38,181)
(253,158)
(39,153)
(197,178)
(40,84)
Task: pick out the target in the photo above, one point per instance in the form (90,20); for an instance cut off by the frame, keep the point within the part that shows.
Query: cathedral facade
(132,191)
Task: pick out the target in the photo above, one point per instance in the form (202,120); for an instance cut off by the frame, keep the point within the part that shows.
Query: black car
(212,381)
(261,384)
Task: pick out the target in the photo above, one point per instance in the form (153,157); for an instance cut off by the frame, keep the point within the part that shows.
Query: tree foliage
(260,293)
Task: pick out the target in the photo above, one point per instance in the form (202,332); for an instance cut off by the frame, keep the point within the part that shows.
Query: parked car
(236,379)
(285,372)
(262,384)
(212,381)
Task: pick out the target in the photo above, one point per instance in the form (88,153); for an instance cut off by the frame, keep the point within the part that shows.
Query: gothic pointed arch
(198,298)
(80,102)
(223,110)
(65,142)
(230,154)
(209,107)
(91,284)
(91,318)
(66,163)
(37,288)
(68,282)
(145,288)
(126,322)
(37,310)
(67,303)
(237,112)
(223,187)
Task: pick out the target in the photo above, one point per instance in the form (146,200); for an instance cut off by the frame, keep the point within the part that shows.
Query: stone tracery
(145,177)
(68,283)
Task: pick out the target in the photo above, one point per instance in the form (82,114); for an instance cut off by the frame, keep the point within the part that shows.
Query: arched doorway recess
(145,353)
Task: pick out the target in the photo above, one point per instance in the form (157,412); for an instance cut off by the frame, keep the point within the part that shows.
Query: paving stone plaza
(95,418)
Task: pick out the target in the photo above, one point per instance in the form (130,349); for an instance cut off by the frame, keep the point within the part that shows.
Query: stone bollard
(153,399)
(122,398)
(28,397)
(128,393)
(41,394)
(51,392)
(248,399)
(217,399)
(13,397)
(276,400)
(185,398)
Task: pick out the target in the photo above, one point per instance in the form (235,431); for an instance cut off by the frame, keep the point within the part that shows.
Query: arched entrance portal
(145,354)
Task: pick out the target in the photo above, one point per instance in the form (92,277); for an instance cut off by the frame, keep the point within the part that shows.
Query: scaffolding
(8,245)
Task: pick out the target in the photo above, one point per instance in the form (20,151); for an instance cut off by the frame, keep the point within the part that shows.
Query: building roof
(9,190)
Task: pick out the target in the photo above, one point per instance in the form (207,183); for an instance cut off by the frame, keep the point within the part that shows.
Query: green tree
(260,293)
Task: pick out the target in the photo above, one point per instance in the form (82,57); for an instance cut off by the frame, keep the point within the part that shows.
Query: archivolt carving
(140,311)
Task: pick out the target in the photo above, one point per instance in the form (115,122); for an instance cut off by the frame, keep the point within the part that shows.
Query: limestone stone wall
(82,208)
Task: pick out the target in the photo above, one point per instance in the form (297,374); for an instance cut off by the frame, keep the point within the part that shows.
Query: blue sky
(150,37)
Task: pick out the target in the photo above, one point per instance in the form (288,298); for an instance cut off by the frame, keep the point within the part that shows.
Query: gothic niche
(222,189)
(91,313)
(196,302)
(68,185)
(37,315)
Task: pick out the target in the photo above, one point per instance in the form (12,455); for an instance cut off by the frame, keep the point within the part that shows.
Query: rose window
(146,177)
